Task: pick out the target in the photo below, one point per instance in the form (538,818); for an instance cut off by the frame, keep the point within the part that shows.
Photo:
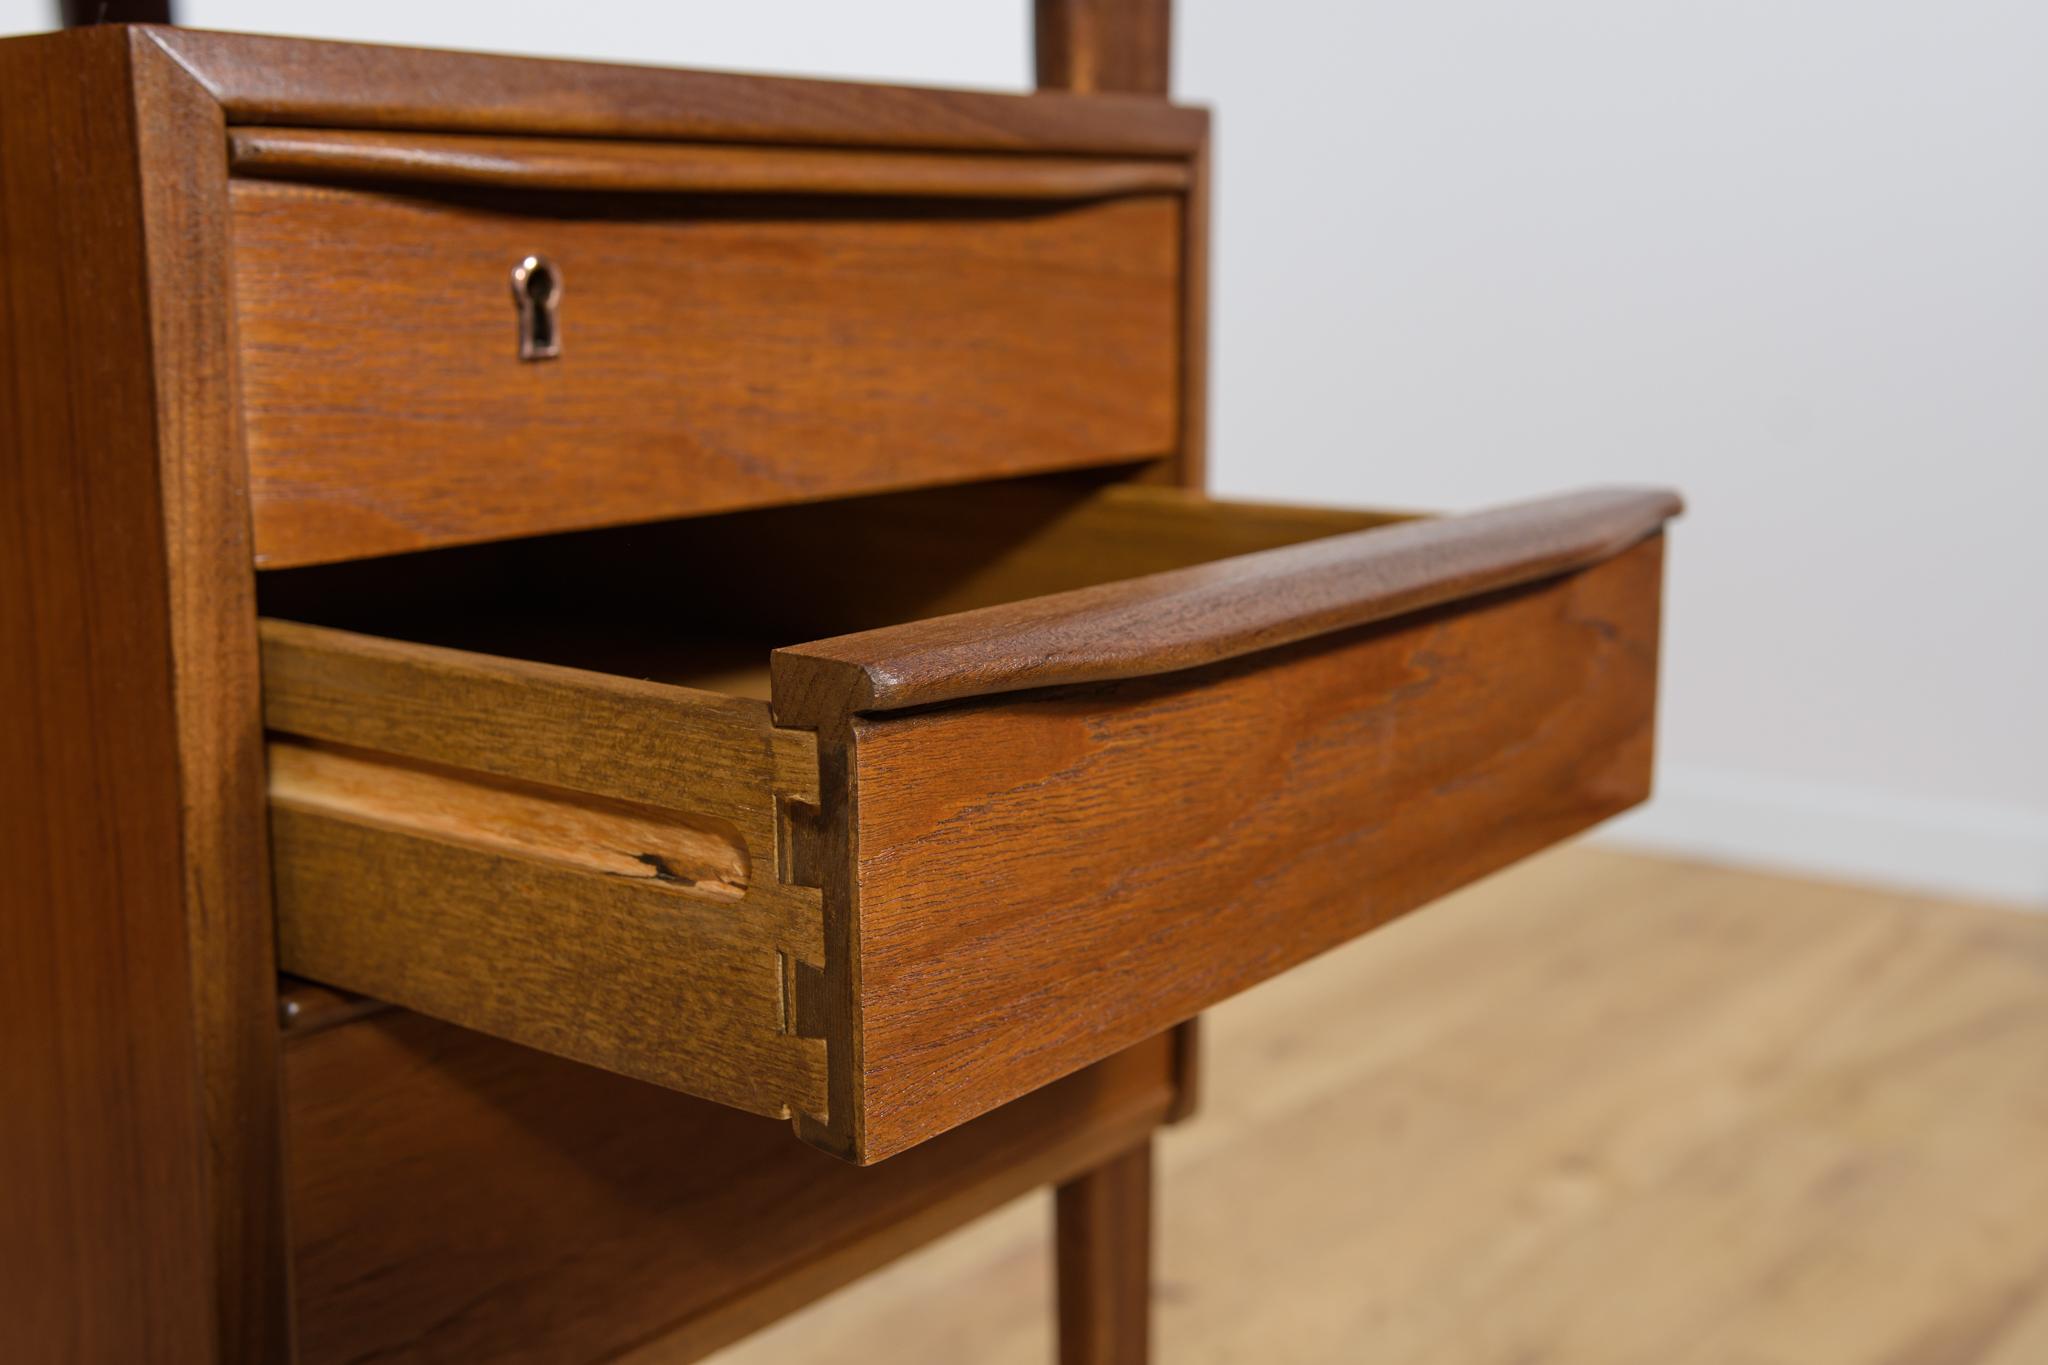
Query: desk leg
(1103,1220)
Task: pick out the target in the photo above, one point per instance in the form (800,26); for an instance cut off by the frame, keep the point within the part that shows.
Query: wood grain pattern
(295,83)
(711,359)
(1206,613)
(461,1199)
(652,932)
(589,165)
(1042,879)
(1103,1245)
(136,1019)
(1103,46)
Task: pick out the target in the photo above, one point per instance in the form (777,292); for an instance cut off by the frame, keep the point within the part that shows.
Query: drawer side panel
(593,866)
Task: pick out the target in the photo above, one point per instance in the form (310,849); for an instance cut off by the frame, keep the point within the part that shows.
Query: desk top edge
(259,80)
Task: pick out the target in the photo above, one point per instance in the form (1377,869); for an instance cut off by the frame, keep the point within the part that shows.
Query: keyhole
(537,290)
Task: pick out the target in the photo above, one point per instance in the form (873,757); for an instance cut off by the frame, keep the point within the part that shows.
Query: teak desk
(675,609)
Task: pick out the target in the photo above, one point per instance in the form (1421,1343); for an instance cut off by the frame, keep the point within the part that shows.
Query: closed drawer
(736,327)
(897,877)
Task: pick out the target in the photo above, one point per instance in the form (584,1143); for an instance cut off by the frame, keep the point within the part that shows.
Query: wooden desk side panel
(137,1024)
(1043,880)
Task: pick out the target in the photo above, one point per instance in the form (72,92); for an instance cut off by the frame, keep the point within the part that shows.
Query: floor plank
(1599,1110)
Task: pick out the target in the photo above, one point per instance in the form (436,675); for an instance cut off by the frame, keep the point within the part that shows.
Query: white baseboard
(1970,849)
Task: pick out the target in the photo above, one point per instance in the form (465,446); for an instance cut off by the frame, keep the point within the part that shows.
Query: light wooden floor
(1601,1109)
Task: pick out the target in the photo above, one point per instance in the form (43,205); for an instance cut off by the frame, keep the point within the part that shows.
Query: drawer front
(956,859)
(715,352)
(1040,880)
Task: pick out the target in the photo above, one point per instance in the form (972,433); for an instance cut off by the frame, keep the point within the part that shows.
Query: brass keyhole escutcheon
(537,290)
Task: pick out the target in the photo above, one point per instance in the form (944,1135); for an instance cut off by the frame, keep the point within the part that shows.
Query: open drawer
(885,881)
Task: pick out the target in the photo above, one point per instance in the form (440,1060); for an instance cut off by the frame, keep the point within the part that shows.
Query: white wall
(1792,258)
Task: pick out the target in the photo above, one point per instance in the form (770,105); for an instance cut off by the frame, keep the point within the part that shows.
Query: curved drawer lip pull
(1184,618)
(348,156)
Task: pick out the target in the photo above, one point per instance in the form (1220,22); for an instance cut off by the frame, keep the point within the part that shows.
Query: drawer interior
(700,603)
